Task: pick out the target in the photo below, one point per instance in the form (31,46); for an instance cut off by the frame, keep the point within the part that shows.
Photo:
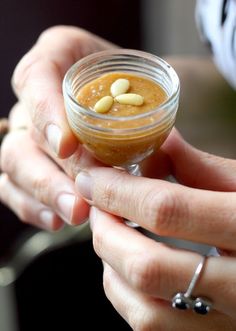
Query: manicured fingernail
(54,135)
(65,203)
(84,183)
(46,218)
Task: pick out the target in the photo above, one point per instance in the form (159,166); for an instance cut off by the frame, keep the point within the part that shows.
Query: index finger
(164,208)
(38,78)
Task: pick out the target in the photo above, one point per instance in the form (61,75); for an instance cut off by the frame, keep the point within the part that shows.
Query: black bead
(201,307)
(181,305)
(180,302)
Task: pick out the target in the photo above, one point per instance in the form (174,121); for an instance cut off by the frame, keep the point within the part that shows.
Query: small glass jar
(121,141)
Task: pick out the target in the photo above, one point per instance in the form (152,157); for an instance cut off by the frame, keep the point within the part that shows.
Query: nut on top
(119,94)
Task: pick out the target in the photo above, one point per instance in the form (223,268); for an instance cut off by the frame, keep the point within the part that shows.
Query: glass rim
(123,52)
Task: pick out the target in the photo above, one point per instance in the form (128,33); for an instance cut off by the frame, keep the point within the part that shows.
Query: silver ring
(185,300)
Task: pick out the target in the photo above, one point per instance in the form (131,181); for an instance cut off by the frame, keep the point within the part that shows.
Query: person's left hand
(40,155)
(38,186)
(141,275)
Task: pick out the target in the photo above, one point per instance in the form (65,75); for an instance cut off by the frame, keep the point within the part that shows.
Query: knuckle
(36,137)
(15,112)
(23,70)
(47,33)
(10,152)
(53,32)
(23,211)
(40,109)
(7,159)
(21,206)
(97,240)
(61,32)
(108,281)
(72,165)
(162,211)
(141,270)
(19,117)
(106,195)
(41,185)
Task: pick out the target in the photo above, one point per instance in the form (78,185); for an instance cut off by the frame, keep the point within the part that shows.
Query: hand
(143,275)
(36,183)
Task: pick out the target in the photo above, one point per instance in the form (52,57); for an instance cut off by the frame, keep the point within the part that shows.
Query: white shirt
(216,20)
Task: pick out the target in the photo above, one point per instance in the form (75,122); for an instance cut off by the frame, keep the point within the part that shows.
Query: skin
(148,273)
(37,80)
(38,184)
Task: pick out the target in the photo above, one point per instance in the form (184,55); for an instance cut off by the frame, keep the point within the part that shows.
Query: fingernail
(84,184)
(65,203)
(46,218)
(54,135)
(92,216)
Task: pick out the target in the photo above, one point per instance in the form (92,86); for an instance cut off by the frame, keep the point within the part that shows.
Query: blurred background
(39,278)
(168,27)
(163,27)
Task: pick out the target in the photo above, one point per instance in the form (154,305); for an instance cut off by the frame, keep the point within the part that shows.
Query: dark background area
(63,290)
(22,21)
(47,288)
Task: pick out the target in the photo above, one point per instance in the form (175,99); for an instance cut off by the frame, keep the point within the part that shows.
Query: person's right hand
(40,161)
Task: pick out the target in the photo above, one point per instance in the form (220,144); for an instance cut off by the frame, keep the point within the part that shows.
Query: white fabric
(220,35)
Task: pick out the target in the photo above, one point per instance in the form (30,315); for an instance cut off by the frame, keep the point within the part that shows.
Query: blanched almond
(119,86)
(104,104)
(130,99)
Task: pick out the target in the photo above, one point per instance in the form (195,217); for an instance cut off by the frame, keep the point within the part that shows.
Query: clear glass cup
(121,141)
